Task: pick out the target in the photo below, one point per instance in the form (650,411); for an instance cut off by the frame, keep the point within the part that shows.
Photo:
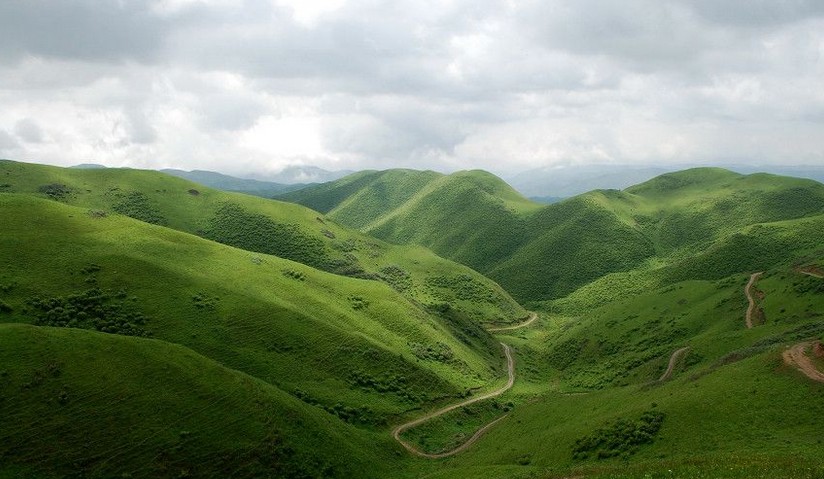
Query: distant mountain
(265,189)
(548,183)
(88,166)
(563,182)
(306,174)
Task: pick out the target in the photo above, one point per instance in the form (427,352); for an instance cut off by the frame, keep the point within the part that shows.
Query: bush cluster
(290,273)
(234,226)
(55,191)
(389,383)
(396,277)
(353,415)
(92,309)
(137,205)
(436,352)
(619,438)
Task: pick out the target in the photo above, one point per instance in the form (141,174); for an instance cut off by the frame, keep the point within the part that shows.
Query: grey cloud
(28,130)
(756,13)
(412,82)
(80,29)
(7,142)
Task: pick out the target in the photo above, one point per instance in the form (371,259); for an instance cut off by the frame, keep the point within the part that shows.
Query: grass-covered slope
(335,338)
(86,404)
(471,217)
(547,252)
(283,229)
(592,399)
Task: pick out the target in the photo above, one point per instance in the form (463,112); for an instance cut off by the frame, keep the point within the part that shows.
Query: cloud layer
(255,85)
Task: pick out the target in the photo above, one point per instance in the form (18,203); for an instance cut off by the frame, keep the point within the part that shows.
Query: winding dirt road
(795,357)
(396,433)
(673,359)
(748,292)
(531,319)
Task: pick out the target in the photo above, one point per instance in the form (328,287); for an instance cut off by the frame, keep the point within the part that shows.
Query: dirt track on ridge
(748,292)
(396,433)
(532,317)
(673,359)
(795,357)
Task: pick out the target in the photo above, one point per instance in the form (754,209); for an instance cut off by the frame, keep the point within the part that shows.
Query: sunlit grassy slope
(79,403)
(316,367)
(255,224)
(547,252)
(731,408)
(355,352)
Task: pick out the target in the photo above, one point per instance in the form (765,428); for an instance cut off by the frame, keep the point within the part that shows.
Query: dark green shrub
(55,191)
(619,438)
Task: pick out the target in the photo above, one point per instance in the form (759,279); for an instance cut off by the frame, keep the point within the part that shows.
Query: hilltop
(542,252)
(265,226)
(154,327)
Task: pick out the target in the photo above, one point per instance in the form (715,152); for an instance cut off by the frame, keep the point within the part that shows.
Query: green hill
(353,351)
(471,217)
(277,228)
(591,401)
(176,346)
(80,403)
(540,252)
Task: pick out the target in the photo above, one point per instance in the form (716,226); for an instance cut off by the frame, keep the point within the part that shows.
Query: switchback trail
(795,357)
(396,433)
(673,359)
(532,317)
(748,292)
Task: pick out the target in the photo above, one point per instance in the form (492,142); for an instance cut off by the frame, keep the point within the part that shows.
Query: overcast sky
(253,85)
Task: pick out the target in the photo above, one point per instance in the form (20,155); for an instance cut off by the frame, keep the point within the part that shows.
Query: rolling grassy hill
(277,228)
(104,405)
(471,217)
(591,401)
(219,181)
(182,348)
(542,252)
(356,353)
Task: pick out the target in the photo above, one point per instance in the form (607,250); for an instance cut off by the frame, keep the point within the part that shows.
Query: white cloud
(244,85)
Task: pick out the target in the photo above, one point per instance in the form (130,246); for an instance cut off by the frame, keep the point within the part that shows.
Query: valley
(410,324)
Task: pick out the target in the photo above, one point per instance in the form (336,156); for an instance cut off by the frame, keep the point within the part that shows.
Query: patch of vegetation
(387,383)
(396,277)
(363,415)
(137,205)
(55,191)
(234,226)
(94,309)
(205,301)
(297,275)
(621,437)
(433,352)
(358,302)
(4,307)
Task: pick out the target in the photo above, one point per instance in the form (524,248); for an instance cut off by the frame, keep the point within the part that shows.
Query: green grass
(202,358)
(283,229)
(540,253)
(348,348)
(91,404)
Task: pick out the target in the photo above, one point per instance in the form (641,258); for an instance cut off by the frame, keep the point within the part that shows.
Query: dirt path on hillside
(795,357)
(396,433)
(530,319)
(748,292)
(678,354)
